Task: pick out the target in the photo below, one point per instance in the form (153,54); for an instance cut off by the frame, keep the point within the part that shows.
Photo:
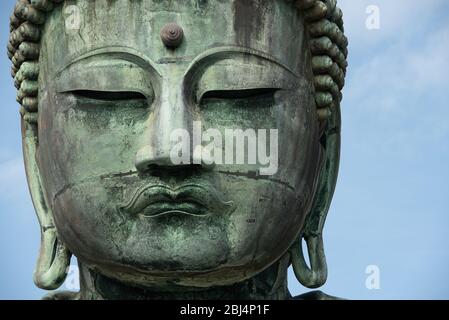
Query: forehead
(77,27)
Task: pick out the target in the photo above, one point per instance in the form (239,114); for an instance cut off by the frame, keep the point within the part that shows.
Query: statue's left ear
(329,51)
(54,257)
(316,275)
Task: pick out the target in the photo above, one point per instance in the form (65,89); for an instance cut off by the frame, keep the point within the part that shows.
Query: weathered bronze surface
(103,84)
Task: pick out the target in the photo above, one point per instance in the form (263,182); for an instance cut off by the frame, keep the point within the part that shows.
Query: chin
(162,280)
(211,263)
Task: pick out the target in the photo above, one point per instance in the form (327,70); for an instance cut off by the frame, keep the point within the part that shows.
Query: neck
(270,284)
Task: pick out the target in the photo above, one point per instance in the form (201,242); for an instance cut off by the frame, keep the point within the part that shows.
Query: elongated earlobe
(315,275)
(54,258)
(53,262)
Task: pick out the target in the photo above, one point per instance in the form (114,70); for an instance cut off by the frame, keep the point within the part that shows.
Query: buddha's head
(104,88)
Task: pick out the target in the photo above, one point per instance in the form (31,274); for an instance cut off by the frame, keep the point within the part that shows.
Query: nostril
(181,171)
(156,159)
(147,157)
(154,170)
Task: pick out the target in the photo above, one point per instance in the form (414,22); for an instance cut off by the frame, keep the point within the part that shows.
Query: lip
(166,207)
(191,199)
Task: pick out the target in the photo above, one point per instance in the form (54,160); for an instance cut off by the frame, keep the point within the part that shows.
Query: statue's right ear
(54,258)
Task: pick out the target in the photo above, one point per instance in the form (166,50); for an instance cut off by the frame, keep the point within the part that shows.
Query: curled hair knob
(172,35)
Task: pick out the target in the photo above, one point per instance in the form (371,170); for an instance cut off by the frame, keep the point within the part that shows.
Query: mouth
(165,207)
(159,200)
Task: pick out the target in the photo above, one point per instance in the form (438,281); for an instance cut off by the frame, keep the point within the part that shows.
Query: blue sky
(391,207)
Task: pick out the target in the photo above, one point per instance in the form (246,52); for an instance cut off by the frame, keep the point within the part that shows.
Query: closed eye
(109,95)
(240,94)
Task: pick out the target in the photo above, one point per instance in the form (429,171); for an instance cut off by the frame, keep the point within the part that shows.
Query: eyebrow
(125,53)
(135,56)
(224,50)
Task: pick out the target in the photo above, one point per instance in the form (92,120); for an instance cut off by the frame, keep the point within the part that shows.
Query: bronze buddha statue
(100,102)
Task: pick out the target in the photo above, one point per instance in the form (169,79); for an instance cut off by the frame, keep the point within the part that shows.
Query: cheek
(88,218)
(278,203)
(299,146)
(82,219)
(266,220)
(79,143)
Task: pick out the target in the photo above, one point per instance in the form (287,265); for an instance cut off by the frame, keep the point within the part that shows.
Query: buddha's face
(111,97)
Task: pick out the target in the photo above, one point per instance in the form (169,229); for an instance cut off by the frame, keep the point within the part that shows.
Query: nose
(171,116)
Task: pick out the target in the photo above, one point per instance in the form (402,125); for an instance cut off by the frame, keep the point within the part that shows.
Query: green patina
(99,105)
